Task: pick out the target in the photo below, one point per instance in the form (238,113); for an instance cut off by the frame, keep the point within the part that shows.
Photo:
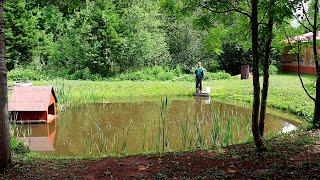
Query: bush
(232,57)
(311,87)
(84,74)
(217,75)
(273,69)
(164,74)
(208,76)
(212,66)
(18,147)
(185,77)
(25,74)
(155,73)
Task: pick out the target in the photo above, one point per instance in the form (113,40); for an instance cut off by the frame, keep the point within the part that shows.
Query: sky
(294,22)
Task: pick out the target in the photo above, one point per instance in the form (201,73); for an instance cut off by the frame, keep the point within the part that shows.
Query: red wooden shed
(33,104)
(289,59)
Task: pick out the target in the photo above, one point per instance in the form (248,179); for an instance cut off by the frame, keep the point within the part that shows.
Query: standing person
(199,76)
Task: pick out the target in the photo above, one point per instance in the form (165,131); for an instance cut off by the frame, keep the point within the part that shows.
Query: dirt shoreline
(294,155)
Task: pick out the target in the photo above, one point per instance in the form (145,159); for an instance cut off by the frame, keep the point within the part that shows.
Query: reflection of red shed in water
(42,137)
(33,104)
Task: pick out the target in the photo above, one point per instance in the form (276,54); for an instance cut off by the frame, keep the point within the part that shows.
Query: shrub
(212,66)
(18,147)
(217,75)
(155,73)
(208,76)
(273,69)
(311,87)
(163,74)
(25,74)
(185,77)
(85,74)
(232,57)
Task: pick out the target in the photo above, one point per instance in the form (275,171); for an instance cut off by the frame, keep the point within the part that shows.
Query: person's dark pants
(198,84)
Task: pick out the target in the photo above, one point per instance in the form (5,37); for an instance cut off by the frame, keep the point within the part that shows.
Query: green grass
(285,91)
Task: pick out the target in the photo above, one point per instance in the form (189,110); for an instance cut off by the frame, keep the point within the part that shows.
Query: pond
(145,126)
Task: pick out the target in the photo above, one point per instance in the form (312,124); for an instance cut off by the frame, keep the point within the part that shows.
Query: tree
(267,49)
(185,39)
(5,154)
(305,20)
(316,117)
(261,38)
(240,7)
(255,73)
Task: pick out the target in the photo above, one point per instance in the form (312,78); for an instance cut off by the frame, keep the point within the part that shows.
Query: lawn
(285,91)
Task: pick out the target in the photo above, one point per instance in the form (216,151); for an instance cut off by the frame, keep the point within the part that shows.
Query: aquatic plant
(125,134)
(102,140)
(164,121)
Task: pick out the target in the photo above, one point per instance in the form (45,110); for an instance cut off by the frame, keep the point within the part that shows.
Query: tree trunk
(265,88)
(5,155)
(255,71)
(316,117)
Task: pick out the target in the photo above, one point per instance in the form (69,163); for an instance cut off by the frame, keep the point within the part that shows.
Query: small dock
(201,94)
(204,93)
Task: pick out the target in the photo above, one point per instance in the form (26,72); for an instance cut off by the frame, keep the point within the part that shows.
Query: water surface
(145,126)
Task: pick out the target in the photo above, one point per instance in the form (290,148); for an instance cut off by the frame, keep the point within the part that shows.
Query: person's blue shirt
(199,73)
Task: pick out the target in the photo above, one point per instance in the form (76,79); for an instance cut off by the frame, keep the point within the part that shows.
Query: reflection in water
(288,127)
(39,137)
(136,127)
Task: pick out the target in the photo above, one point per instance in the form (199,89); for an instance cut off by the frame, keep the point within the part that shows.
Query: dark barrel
(245,71)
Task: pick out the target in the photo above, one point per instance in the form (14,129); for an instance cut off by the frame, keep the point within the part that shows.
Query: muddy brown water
(145,126)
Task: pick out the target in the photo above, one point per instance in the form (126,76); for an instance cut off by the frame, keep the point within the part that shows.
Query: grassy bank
(285,92)
(294,155)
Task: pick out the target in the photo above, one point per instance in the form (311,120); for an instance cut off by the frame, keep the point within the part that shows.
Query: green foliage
(89,42)
(273,69)
(212,66)
(311,86)
(85,75)
(155,73)
(162,74)
(25,74)
(21,31)
(232,57)
(18,147)
(103,38)
(94,39)
(217,75)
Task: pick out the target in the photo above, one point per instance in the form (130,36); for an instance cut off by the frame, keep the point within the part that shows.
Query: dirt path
(291,156)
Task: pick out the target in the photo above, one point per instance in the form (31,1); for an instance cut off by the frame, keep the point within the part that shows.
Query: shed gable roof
(32,98)
(302,38)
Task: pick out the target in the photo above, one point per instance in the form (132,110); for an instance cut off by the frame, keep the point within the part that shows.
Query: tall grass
(164,122)
(125,134)
(102,143)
